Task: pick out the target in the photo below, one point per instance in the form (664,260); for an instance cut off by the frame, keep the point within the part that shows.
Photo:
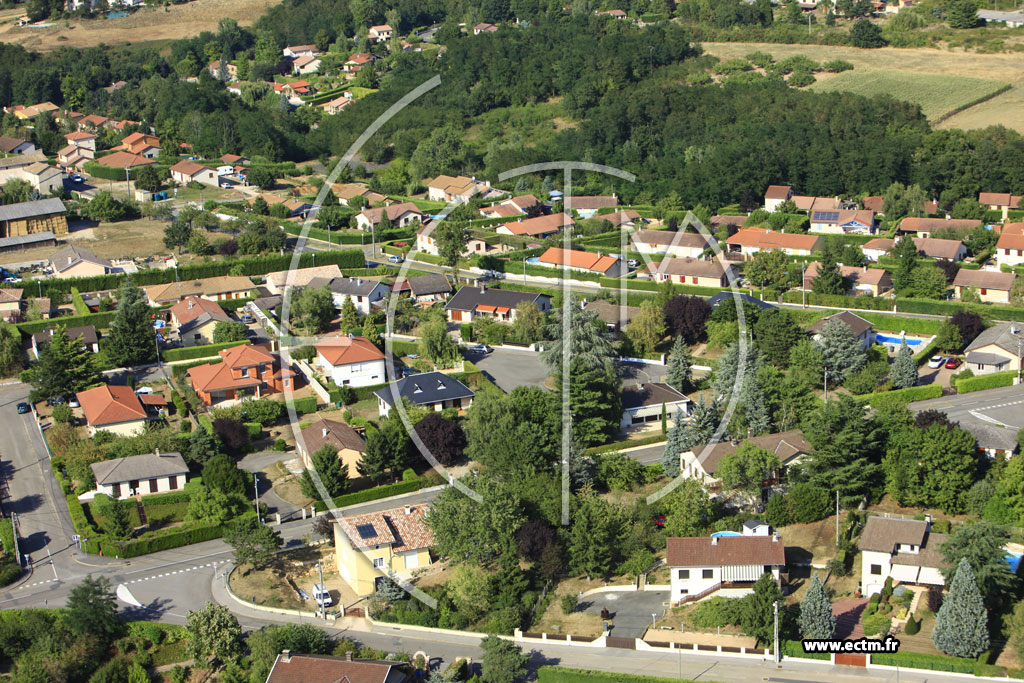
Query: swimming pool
(1013,559)
(725,533)
(886,339)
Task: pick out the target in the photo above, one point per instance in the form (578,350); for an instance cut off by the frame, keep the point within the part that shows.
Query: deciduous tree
(214,634)
(687,317)
(253,542)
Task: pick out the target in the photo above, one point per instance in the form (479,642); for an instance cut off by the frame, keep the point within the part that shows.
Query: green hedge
(378,492)
(561,674)
(7,535)
(908,395)
(190,352)
(233,304)
(305,405)
(206,422)
(922,356)
(897,323)
(163,539)
(78,302)
(255,430)
(402,347)
(982,382)
(632,443)
(869,303)
(169,498)
(651,286)
(917,660)
(98,170)
(795,648)
(995,311)
(97,320)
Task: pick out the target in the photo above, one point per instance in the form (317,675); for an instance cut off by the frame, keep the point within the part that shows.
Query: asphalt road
(630,610)
(1002,407)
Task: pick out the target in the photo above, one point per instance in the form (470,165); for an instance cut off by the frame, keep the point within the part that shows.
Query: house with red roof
(583,261)
(245,370)
(294,668)
(749,241)
(724,565)
(196,318)
(113,408)
(380,33)
(775,195)
(1010,249)
(372,546)
(1000,201)
(350,361)
(356,62)
(142,144)
(539,228)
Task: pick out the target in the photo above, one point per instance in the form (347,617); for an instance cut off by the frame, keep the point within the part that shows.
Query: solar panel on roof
(826,215)
(366,531)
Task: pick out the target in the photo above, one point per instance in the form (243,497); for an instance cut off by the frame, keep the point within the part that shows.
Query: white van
(322,595)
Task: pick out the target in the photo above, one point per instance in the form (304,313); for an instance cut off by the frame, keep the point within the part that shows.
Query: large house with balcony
(244,370)
(722,565)
(905,549)
(350,361)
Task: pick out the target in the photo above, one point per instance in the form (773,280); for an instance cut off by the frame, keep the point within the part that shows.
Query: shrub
(718,611)
(61,414)
(801,79)
(837,566)
(837,66)
(989,381)
(912,627)
(876,624)
(466,332)
(569,603)
(280,445)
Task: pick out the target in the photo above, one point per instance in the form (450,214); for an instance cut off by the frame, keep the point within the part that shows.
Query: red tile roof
(108,404)
(345,350)
(778,192)
(577,259)
(763,238)
(218,377)
(1010,240)
(123,159)
(983,279)
(324,669)
(189,168)
(912,224)
(191,307)
(725,551)
(403,527)
(999,199)
(541,225)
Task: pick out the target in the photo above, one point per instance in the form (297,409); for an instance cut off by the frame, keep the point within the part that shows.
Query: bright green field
(936,93)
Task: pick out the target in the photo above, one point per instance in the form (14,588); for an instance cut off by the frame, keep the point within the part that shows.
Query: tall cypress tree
(132,340)
(65,367)
(829,280)
(679,372)
(904,370)
(816,618)
(961,626)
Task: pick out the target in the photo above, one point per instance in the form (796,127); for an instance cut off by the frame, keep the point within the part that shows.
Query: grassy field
(1006,109)
(149,24)
(936,94)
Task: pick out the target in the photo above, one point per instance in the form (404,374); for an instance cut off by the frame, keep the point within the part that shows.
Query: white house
(363,293)
(350,361)
(843,222)
(187,171)
(775,195)
(723,565)
(400,215)
(678,244)
(139,475)
(642,405)
(701,462)
(861,328)
(380,33)
(905,549)
(1010,249)
(996,349)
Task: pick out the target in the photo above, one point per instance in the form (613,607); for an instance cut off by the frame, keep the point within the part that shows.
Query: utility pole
(837,518)
(256,498)
(778,655)
(323,608)
(803,286)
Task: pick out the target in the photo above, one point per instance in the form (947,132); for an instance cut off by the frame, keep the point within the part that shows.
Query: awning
(503,309)
(486,308)
(903,572)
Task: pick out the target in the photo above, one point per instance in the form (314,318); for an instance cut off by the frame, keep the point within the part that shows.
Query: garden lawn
(814,542)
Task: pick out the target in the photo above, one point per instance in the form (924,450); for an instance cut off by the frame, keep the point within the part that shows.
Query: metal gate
(623,643)
(852,659)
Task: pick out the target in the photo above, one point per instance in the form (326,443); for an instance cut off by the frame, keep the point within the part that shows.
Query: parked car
(953,363)
(406,372)
(77,178)
(322,595)
(659,521)
(936,361)
(480,348)
(395,258)
(24,408)
(144,390)
(248,319)
(632,263)
(73,403)
(12,280)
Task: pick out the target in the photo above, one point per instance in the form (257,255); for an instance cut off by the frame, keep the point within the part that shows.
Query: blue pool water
(116,15)
(728,533)
(1013,559)
(534,260)
(886,339)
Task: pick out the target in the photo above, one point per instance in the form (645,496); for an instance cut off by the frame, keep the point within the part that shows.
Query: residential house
(843,222)
(142,144)
(540,227)
(363,293)
(294,207)
(691,271)
(615,316)
(234,159)
(278,281)
(701,462)
(991,286)
(16,146)
(221,288)
(381,33)
(1000,201)
(812,204)
(929,247)
(1008,19)
(730,223)
(622,219)
(348,191)
(122,159)
(475,246)
(27,112)
(1010,249)
(484,27)
(10,304)
(400,215)
(196,318)
(43,178)
(864,280)
(996,349)
(430,288)
(350,361)
(375,545)
(356,62)
(295,51)
(876,203)
(678,244)
(83,139)
(508,208)
(861,328)
(583,261)
(431,390)
(776,195)
(749,241)
(614,14)
(642,405)
(139,475)
(992,441)
(924,227)
(907,550)
(724,565)
(185,172)
(244,370)
(289,668)
(458,189)
(587,207)
(18,162)
(75,261)
(307,64)
(113,408)
(114,87)
(93,122)
(339,436)
(86,334)
(29,218)
(337,104)
(470,303)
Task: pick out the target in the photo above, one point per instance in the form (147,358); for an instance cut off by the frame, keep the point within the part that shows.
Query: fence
(314,383)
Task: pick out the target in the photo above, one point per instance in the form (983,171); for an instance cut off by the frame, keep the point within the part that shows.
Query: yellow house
(196,318)
(370,547)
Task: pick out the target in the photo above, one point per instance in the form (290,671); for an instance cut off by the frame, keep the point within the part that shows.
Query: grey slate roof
(468,298)
(426,388)
(40,207)
(881,534)
(986,358)
(139,467)
(17,240)
(991,436)
(425,285)
(64,258)
(857,324)
(1001,335)
(345,285)
(86,332)
(650,394)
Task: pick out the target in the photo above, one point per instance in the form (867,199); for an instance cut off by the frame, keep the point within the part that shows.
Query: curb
(439,487)
(22,581)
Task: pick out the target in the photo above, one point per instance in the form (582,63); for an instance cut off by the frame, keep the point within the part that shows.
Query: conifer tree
(816,618)
(904,369)
(679,373)
(961,626)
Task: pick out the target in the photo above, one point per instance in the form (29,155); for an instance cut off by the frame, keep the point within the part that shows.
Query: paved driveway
(510,369)
(631,610)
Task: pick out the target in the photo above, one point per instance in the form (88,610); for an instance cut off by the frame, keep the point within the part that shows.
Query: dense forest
(621,88)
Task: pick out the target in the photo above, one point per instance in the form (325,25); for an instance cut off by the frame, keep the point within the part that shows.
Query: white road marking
(52,565)
(125,595)
(986,418)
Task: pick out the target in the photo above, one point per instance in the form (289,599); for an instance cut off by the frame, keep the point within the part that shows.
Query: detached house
(459,189)
(991,286)
(295,51)
(701,462)
(356,62)
(339,436)
(929,247)
(843,222)
(999,201)
(381,33)
(861,328)
(583,261)
(749,241)
(363,293)
(196,318)
(513,206)
(429,288)
(904,549)
(484,27)
(872,281)
(775,195)
(1010,249)
(690,271)
(996,349)
(924,227)
(243,371)
(86,334)
(289,668)
(432,390)
(220,288)
(74,261)
(678,244)
(16,146)
(470,303)
(725,565)
(540,227)
(278,281)
(350,361)
(400,215)
(587,207)
(372,546)
(113,408)
(139,475)
(306,64)
(142,145)
(185,172)
(642,405)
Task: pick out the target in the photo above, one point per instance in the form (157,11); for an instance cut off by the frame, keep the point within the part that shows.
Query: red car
(953,363)
(659,521)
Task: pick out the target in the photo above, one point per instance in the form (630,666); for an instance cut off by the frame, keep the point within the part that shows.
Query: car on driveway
(953,363)
(77,178)
(394,258)
(480,348)
(936,361)
(248,319)
(55,401)
(24,408)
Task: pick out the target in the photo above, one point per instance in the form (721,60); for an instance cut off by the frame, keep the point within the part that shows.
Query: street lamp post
(256,497)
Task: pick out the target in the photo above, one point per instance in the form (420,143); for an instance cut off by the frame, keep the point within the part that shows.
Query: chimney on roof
(323,432)
(483,288)
(714,540)
(408,509)
(348,656)
(286,656)
(775,538)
